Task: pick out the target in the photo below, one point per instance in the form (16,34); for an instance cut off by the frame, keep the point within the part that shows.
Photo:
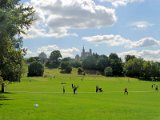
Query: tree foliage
(35,69)
(89,63)
(33,59)
(14,19)
(54,59)
(108,71)
(102,63)
(139,68)
(66,65)
(76,63)
(116,64)
(128,57)
(134,67)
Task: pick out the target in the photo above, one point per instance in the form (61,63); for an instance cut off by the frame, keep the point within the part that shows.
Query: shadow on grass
(7,93)
(3,97)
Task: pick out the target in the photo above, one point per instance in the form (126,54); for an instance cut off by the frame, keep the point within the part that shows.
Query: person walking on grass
(126,91)
(75,89)
(152,86)
(97,88)
(156,88)
(64,90)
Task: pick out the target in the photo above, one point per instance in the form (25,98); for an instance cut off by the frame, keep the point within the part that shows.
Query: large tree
(66,65)
(116,64)
(89,63)
(128,57)
(134,67)
(102,63)
(54,59)
(15,18)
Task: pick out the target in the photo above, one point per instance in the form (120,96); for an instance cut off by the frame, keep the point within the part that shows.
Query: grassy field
(142,103)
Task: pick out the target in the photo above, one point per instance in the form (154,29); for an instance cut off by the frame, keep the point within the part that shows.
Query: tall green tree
(89,63)
(108,71)
(147,70)
(66,65)
(128,57)
(116,64)
(54,59)
(15,18)
(155,70)
(102,63)
(134,67)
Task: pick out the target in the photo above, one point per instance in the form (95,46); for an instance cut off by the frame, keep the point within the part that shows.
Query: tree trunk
(2,87)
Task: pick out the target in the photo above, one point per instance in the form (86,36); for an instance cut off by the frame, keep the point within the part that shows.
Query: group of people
(74,88)
(99,89)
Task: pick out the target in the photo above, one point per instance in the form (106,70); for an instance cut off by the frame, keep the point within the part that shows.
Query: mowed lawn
(142,102)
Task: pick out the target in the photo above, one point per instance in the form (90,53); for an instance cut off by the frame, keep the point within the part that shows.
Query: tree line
(111,65)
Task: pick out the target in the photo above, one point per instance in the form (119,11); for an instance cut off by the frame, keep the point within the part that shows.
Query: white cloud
(112,40)
(141,25)
(117,40)
(69,52)
(145,42)
(151,55)
(48,49)
(30,54)
(34,32)
(56,17)
(117,3)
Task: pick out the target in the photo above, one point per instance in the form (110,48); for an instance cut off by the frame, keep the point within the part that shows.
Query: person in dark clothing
(156,87)
(72,85)
(63,89)
(152,86)
(75,89)
(100,90)
(126,91)
(97,88)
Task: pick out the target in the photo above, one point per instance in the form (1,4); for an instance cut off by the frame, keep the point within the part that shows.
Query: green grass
(142,103)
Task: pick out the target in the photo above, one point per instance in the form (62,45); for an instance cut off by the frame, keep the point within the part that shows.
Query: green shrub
(65,66)
(35,69)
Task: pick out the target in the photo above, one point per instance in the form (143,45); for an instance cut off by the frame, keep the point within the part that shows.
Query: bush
(68,69)
(35,69)
(65,66)
(108,71)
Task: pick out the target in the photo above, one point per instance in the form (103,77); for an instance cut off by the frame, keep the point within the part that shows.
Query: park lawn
(142,103)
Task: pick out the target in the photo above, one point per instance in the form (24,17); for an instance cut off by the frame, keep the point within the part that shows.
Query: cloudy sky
(105,26)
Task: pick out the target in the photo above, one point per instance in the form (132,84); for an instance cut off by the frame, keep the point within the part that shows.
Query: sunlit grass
(142,103)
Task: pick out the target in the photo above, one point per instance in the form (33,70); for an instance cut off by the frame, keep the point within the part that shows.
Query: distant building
(77,57)
(84,54)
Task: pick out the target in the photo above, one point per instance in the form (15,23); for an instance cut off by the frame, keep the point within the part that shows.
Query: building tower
(83,53)
(90,51)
